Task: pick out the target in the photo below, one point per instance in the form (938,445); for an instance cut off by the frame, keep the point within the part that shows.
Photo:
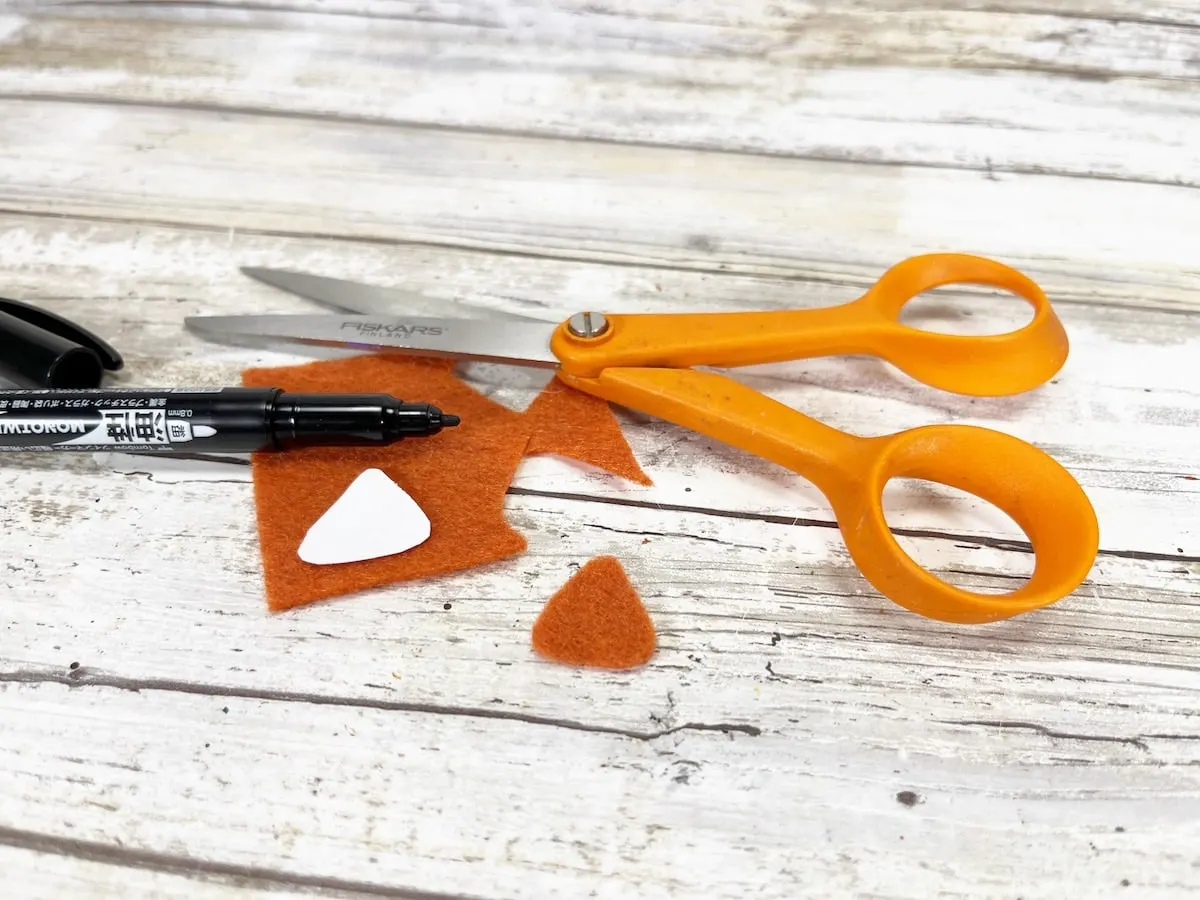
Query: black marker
(200,420)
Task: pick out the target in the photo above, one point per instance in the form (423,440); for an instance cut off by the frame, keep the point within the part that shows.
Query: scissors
(646,362)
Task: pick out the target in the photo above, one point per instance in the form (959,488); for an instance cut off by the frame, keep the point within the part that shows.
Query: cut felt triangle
(596,619)
(374,517)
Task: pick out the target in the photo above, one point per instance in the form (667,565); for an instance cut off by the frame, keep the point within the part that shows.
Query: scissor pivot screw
(587,324)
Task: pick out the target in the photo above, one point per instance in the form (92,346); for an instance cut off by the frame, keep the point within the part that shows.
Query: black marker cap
(41,350)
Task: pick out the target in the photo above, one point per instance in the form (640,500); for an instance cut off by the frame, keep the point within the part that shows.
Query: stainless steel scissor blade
(365,299)
(525,343)
(335,293)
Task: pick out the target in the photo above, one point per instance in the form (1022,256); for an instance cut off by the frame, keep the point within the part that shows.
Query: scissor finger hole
(958,536)
(967,310)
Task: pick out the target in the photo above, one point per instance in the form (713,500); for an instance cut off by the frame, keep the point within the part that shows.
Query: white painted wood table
(796,734)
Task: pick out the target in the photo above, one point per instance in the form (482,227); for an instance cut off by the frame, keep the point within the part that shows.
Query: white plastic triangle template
(374,517)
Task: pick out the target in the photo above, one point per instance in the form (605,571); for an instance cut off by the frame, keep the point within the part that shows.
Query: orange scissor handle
(984,365)
(1036,492)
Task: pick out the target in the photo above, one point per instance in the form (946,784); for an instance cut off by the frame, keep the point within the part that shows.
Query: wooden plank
(816,684)
(526,810)
(688,208)
(1039,88)
(135,285)
(48,867)
(788,572)
(175,596)
(775,621)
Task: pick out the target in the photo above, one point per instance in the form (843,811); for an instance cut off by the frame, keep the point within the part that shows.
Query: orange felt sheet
(458,477)
(596,619)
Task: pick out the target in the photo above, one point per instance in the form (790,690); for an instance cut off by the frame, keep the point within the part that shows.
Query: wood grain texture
(796,734)
(1047,87)
(705,211)
(151,279)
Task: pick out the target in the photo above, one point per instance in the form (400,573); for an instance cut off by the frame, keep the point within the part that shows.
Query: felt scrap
(567,422)
(596,619)
(458,477)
